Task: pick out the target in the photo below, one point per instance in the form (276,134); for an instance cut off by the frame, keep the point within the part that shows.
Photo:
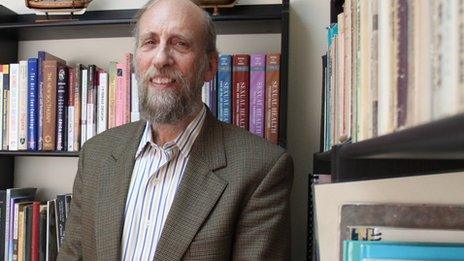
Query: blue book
(32,103)
(354,250)
(224,88)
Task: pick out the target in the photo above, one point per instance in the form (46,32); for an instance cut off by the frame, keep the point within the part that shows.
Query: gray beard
(168,106)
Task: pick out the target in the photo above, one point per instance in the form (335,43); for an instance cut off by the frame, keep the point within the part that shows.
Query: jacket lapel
(113,187)
(197,193)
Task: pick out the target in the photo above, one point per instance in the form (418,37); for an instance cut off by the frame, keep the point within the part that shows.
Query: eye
(148,42)
(180,44)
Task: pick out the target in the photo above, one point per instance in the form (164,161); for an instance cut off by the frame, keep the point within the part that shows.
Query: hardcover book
(272,97)
(13,110)
(6,99)
(241,90)
(33,101)
(50,68)
(62,104)
(257,93)
(224,83)
(22,105)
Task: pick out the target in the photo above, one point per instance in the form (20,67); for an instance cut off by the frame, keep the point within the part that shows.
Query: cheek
(142,62)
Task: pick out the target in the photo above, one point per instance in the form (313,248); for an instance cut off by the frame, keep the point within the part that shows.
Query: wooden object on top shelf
(61,7)
(216,4)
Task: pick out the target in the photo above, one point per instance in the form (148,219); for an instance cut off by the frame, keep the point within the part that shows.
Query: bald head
(186,12)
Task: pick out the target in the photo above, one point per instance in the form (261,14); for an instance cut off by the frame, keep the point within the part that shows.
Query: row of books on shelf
(48,105)
(246,92)
(30,229)
(392,64)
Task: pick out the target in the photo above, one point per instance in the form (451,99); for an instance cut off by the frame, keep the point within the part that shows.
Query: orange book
(272,97)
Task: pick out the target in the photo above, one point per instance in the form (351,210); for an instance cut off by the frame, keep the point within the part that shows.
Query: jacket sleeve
(263,230)
(71,248)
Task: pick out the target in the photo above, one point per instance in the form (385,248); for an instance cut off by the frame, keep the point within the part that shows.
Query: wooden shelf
(434,147)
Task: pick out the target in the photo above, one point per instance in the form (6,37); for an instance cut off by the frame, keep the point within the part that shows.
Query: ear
(212,67)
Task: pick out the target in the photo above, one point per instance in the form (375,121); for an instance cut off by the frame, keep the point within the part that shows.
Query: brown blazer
(232,203)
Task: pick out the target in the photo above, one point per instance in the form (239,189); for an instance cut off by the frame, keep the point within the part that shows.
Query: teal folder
(385,250)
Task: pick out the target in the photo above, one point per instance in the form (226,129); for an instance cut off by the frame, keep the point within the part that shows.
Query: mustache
(171,73)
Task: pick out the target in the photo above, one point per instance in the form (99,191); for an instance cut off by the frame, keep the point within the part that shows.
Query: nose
(162,57)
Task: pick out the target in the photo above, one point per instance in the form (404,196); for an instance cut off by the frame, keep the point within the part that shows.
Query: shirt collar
(183,142)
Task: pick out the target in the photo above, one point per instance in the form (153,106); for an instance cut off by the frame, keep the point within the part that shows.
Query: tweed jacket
(232,202)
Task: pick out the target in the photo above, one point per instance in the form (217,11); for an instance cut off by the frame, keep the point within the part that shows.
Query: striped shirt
(155,178)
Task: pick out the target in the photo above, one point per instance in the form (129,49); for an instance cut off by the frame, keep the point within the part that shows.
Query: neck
(166,132)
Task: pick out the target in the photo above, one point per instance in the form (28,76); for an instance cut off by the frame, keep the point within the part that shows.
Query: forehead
(166,18)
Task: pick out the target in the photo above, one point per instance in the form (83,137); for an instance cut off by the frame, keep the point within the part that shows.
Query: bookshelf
(16,30)
(435,147)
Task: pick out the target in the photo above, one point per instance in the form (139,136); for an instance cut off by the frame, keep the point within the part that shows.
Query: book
(2,223)
(32,102)
(14,195)
(121,75)
(22,105)
(257,93)
(102,105)
(70,110)
(1,106)
(213,97)
(272,97)
(77,106)
(35,233)
(51,251)
(83,116)
(6,105)
(112,89)
(60,218)
(41,57)
(224,85)
(135,114)
(22,232)
(28,243)
(18,225)
(61,106)
(92,83)
(241,90)
(13,110)
(50,80)
(42,247)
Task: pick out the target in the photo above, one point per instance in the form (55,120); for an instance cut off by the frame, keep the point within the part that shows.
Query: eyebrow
(150,35)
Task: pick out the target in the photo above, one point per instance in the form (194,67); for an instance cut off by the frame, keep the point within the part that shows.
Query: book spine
(51,250)
(84,106)
(127,83)
(7,224)
(1,105)
(257,90)
(213,97)
(50,93)
(29,221)
(60,218)
(77,106)
(112,88)
(43,232)
(6,99)
(102,102)
(135,114)
(241,90)
(91,101)
(35,230)
(32,139)
(272,97)
(120,95)
(13,124)
(70,119)
(2,223)
(40,107)
(22,106)
(21,234)
(224,82)
(62,89)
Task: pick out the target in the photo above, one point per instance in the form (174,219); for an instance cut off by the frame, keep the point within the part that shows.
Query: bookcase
(18,30)
(436,147)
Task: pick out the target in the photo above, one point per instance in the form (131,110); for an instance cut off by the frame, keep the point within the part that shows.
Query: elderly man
(179,184)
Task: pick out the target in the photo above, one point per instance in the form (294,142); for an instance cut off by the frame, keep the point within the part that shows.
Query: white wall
(308,19)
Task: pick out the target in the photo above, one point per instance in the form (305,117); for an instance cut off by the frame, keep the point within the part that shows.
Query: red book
(35,231)
(241,90)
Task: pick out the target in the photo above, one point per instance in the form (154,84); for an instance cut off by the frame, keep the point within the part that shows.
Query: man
(180,184)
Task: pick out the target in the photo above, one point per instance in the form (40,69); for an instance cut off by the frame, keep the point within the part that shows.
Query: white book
(1,110)
(13,124)
(22,98)
(135,114)
(385,112)
(84,107)
(102,103)
(70,129)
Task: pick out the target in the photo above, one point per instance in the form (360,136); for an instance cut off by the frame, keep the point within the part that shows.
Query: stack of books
(30,229)
(392,64)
